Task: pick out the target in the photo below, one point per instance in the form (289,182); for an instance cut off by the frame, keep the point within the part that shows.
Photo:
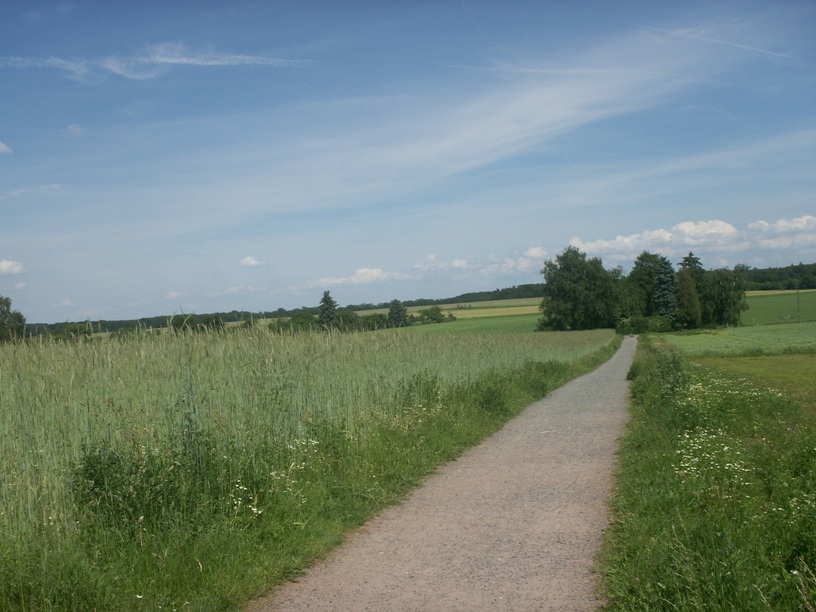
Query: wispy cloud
(698,33)
(4,149)
(154,61)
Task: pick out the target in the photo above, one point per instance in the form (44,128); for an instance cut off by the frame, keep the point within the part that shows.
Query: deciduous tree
(12,322)
(580,293)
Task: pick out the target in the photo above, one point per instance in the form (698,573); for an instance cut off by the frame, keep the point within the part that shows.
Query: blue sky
(159,157)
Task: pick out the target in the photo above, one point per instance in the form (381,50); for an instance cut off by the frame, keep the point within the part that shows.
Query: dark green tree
(664,292)
(689,312)
(397,314)
(327,315)
(723,297)
(348,320)
(433,314)
(580,293)
(641,283)
(12,322)
(692,265)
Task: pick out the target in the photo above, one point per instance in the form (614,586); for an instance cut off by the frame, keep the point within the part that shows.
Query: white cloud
(687,234)
(250,262)
(430,263)
(173,295)
(807,223)
(536,253)
(362,276)
(5,149)
(713,236)
(510,265)
(76,129)
(9,266)
(20,286)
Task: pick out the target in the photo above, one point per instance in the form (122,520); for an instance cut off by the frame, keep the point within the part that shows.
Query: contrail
(728,44)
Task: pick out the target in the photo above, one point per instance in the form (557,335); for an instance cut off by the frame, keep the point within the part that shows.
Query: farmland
(766,307)
(160,470)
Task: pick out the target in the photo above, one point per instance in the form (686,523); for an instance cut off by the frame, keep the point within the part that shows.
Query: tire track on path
(513,524)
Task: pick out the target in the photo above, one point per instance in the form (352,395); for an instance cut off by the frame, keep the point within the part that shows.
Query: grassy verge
(715,506)
(193,471)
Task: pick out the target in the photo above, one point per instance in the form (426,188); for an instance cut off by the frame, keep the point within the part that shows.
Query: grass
(715,501)
(766,307)
(756,340)
(501,323)
(792,374)
(162,471)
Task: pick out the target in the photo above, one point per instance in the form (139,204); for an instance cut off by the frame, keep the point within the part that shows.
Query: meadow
(767,307)
(715,501)
(757,340)
(194,470)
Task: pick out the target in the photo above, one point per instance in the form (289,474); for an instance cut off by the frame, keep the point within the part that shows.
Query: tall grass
(162,471)
(715,506)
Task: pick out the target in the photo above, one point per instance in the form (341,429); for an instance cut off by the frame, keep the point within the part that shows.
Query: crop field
(767,307)
(504,324)
(490,308)
(161,471)
(715,505)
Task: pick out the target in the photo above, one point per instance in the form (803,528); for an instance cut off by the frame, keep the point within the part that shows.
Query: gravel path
(513,524)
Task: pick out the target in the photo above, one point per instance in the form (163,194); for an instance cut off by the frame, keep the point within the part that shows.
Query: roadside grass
(766,307)
(715,501)
(165,471)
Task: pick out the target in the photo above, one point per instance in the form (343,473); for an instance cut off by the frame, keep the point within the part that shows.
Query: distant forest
(798,276)
(534,290)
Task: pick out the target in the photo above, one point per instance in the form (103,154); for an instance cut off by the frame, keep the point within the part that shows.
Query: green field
(756,340)
(194,470)
(766,307)
(502,323)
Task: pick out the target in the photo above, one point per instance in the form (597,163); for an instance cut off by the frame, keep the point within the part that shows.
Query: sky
(197,157)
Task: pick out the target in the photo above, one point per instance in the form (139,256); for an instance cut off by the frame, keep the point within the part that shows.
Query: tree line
(581,294)
(330,316)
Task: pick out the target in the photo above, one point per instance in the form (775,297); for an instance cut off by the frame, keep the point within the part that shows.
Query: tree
(664,291)
(692,265)
(689,312)
(433,314)
(12,322)
(641,281)
(723,298)
(327,316)
(397,314)
(580,293)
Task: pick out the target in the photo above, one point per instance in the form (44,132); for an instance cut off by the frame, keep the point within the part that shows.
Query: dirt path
(513,524)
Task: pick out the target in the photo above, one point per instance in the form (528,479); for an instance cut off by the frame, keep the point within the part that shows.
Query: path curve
(513,524)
